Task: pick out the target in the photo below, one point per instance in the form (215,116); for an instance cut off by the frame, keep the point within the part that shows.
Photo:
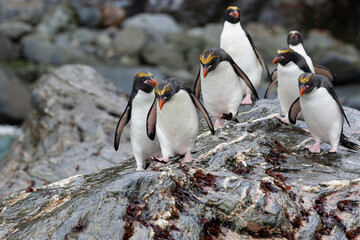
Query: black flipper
(294,110)
(197,86)
(344,142)
(323,71)
(244,77)
(258,54)
(203,111)
(268,90)
(124,119)
(151,121)
(329,87)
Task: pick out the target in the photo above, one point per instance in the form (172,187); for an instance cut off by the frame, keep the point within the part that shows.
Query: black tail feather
(344,142)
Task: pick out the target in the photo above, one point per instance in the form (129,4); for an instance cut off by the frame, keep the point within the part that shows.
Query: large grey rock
(70,130)
(15,29)
(251,180)
(60,18)
(14,97)
(157,26)
(40,48)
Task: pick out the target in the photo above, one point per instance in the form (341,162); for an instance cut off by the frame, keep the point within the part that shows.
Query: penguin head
(209,60)
(144,81)
(285,55)
(294,38)
(232,14)
(166,89)
(308,82)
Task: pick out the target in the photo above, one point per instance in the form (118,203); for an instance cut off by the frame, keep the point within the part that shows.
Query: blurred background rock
(121,37)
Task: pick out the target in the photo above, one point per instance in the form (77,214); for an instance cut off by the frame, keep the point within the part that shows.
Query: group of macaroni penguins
(164,120)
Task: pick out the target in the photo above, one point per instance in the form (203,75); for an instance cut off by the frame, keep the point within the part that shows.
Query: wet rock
(14,97)
(157,26)
(7,49)
(283,193)
(69,131)
(61,18)
(15,29)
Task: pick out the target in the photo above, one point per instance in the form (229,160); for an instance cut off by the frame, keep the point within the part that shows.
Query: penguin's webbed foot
(218,124)
(162,159)
(333,149)
(139,168)
(283,119)
(187,158)
(247,100)
(313,148)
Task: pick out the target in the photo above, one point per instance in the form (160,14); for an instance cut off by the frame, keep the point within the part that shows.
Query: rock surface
(69,131)
(250,180)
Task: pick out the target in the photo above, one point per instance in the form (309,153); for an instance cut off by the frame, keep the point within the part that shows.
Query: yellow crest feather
(306,79)
(285,51)
(143,74)
(208,58)
(162,91)
(233,8)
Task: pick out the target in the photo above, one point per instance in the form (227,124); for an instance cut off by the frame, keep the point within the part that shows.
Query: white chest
(177,124)
(288,87)
(221,89)
(322,115)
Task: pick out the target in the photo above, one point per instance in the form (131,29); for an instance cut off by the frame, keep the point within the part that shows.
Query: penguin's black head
(294,38)
(307,83)
(209,60)
(166,89)
(285,55)
(144,81)
(232,14)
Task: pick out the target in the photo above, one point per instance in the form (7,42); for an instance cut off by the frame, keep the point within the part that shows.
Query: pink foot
(283,119)
(247,99)
(306,130)
(187,158)
(333,149)
(218,124)
(139,168)
(313,148)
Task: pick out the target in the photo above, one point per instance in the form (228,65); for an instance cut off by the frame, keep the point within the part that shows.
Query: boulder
(250,180)
(14,97)
(157,26)
(61,17)
(15,29)
(69,131)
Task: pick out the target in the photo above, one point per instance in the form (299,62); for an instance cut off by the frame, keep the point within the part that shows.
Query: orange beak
(161,102)
(206,71)
(277,59)
(234,14)
(302,90)
(152,82)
